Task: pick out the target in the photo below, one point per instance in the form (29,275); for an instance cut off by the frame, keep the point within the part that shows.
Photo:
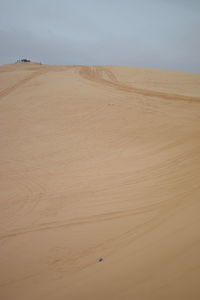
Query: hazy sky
(150,33)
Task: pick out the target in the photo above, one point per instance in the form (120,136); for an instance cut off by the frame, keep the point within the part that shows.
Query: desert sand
(99,162)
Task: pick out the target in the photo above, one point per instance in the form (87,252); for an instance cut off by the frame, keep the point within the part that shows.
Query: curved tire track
(82,221)
(20,83)
(97,74)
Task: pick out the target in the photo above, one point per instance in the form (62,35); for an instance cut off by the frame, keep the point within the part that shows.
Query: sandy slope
(99,162)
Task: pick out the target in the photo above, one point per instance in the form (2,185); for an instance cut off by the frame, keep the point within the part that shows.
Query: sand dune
(99,162)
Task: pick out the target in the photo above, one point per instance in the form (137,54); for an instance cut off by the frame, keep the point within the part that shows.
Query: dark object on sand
(24,60)
(100,259)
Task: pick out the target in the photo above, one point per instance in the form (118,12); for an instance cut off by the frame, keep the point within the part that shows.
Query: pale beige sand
(99,162)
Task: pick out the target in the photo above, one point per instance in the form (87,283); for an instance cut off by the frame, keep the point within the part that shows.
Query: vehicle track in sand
(81,221)
(20,83)
(106,77)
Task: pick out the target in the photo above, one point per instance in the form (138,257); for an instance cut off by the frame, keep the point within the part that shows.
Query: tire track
(96,74)
(20,83)
(81,221)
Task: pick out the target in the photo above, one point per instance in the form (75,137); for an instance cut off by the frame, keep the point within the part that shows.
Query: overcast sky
(148,33)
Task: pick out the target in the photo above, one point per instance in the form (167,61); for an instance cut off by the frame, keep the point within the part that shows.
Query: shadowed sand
(99,183)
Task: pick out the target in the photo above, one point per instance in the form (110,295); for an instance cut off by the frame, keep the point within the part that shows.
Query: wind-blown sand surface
(99,162)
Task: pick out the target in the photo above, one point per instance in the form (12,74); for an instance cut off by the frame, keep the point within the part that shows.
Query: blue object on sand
(100,259)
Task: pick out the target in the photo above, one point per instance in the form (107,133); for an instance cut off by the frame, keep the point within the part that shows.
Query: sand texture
(99,162)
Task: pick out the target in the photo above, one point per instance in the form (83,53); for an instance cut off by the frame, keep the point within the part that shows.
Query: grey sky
(150,33)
